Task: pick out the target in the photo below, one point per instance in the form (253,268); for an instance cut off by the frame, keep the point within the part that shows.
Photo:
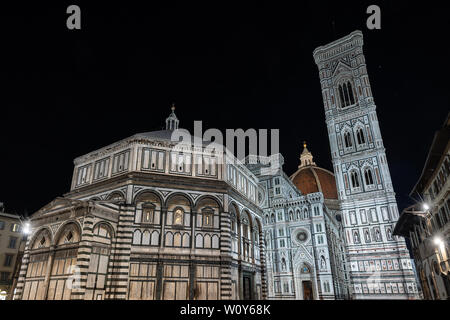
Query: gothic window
(368,177)
(178,216)
(350,91)
(354,177)
(360,136)
(346,94)
(348,140)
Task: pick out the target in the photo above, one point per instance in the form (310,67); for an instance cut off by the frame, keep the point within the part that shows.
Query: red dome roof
(310,179)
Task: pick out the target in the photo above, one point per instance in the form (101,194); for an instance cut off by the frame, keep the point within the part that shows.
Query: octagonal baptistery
(309,178)
(146,220)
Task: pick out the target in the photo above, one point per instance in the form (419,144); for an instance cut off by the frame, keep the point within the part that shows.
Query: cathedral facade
(146,219)
(305,253)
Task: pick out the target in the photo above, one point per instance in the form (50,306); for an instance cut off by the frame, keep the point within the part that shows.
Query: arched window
(69,235)
(350,92)
(360,136)
(368,177)
(137,237)
(102,230)
(348,140)
(354,177)
(43,240)
(346,94)
(341,95)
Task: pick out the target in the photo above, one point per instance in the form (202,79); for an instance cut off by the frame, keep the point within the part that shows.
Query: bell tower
(379,263)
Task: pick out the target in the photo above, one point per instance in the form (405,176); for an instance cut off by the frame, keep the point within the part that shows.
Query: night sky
(67,92)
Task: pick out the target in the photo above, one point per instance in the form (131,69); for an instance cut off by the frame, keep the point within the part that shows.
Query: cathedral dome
(310,178)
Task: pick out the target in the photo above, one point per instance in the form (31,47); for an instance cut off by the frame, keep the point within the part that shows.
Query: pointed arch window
(360,136)
(341,95)
(348,140)
(354,177)
(346,94)
(368,177)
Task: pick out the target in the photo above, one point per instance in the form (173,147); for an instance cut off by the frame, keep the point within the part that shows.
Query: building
(427,223)
(305,252)
(10,239)
(148,219)
(309,178)
(380,266)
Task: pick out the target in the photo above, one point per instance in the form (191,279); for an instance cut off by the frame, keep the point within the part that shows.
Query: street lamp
(425,206)
(438,241)
(26,230)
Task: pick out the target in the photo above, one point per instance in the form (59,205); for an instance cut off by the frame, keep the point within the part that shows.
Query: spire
(306,158)
(172,120)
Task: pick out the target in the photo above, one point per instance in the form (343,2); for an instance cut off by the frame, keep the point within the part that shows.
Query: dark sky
(66,93)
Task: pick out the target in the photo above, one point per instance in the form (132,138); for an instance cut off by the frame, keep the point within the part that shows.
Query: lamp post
(26,230)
